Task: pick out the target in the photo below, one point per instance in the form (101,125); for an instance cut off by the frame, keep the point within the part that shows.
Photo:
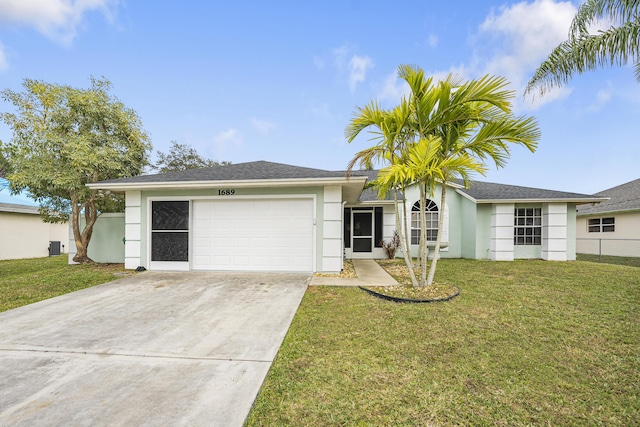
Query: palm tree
(421,163)
(583,51)
(475,124)
(439,133)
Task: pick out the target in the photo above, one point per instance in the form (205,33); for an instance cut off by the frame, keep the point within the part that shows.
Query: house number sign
(226,192)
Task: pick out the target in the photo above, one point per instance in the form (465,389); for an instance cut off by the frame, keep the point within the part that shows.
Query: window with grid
(527,226)
(431,216)
(602,225)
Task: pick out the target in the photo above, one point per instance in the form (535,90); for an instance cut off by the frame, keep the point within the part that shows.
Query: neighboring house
(23,234)
(263,216)
(611,227)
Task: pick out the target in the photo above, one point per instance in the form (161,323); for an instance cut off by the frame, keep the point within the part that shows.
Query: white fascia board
(373,203)
(186,185)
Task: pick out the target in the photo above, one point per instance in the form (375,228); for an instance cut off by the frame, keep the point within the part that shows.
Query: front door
(362,231)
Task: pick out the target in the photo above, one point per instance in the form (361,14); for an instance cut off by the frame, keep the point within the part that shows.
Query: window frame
(527,226)
(174,233)
(432,213)
(601,225)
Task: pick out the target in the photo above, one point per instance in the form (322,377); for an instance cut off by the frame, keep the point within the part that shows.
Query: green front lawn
(526,343)
(26,281)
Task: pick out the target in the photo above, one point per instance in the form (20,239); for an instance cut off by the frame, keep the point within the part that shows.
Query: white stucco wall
(332,230)
(25,235)
(502,232)
(554,231)
(133,229)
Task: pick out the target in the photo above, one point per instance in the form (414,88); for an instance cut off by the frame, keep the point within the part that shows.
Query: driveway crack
(133,354)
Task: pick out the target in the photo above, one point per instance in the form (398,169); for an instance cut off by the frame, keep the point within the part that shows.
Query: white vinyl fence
(611,247)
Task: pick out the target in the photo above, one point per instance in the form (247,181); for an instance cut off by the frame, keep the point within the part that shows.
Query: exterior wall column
(332,229)
(132,229)
(502,248)
(554,231)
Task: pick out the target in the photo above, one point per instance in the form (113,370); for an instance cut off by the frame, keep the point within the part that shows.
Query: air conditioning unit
(54,248)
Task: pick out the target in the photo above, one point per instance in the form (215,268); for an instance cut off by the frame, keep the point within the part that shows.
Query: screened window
(527,226)
(431,217)
(170,231)
(602,225)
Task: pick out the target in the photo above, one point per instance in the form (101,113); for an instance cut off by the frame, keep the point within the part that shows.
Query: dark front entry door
(362,231)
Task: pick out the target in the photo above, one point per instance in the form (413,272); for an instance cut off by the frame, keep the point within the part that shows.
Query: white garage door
(253,235)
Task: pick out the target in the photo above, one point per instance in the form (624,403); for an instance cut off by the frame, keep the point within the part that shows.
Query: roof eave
(249,183)
(20,209)
(374,202)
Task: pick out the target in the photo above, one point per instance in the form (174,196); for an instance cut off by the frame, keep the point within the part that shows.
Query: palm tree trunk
(405,241)
(436,251)
(423,235)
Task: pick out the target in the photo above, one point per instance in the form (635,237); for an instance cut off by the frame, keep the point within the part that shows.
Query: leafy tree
(5,167)
(182,157)
(583,51)
(64,138)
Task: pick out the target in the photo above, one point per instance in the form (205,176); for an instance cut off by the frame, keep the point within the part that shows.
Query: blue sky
(279,81)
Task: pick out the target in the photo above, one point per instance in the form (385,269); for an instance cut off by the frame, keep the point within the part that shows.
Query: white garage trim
(258,236)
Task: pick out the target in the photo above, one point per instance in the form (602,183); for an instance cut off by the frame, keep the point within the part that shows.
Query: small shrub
(391,247)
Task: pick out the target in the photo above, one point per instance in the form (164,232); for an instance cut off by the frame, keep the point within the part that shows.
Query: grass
(526,343)
(26,281)
(608,259)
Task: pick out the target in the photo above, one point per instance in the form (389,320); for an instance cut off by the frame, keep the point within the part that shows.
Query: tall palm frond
(583,51)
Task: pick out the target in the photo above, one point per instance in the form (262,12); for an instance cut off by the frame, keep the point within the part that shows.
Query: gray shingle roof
(263,170)
(625,197)
(480,191)
(15,208)
(258,170)
(492,191)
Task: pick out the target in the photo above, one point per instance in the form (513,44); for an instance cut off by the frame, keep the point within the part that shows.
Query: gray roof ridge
(631,184)
(472,181)
(622,198)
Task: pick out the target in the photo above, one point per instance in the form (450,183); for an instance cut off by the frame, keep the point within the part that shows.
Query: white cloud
(432,41)
(56,19)
(521,36)
(393,89)
(225,140)
(340,55)
(358,66)
(355,66)
(603,96)
(3,59)
(263,126)
(554,94)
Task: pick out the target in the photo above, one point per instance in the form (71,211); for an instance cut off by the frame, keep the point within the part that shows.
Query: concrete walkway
(368,271)
(152,349)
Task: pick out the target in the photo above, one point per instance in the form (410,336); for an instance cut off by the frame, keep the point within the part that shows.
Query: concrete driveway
(146,350)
